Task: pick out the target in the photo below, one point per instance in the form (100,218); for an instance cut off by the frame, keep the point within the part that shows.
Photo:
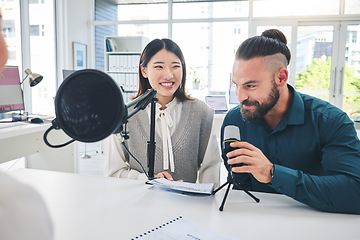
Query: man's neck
(274,116)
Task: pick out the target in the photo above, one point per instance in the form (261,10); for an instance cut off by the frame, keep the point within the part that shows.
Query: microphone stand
(151,144)
(231,181)
(141,104)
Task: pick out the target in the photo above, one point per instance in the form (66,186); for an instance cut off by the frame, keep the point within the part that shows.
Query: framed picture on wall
(79,56)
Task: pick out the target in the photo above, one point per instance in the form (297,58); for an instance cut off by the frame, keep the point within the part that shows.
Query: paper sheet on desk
(198,188)
(182,229)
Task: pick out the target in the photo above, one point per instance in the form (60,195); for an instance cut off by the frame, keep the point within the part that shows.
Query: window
(209,32)
(225,9)
(11,30)
(271,8)
(34,30)
(354,37)
(43,52)
(142,12)
(41,55)
(313,60)
(352,7)
(36,1)
(351,95)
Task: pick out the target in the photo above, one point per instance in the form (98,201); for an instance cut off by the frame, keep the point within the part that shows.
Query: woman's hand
(164,175)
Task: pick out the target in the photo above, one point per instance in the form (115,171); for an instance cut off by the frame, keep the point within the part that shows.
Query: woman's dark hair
(149,51)
(270,42)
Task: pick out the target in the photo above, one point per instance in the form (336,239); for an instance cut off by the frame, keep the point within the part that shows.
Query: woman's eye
(158,66)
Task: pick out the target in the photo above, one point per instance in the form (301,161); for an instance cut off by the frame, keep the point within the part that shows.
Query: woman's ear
(143,71)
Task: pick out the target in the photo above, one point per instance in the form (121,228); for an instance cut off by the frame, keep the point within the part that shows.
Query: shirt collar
(296,113)
(169,106)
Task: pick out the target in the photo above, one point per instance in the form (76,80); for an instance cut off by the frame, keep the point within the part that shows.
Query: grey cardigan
(189,140)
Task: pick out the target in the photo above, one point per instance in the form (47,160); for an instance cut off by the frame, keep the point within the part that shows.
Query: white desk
(23,139)
(93,207)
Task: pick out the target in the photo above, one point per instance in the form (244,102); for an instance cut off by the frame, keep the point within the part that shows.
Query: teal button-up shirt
(315,150)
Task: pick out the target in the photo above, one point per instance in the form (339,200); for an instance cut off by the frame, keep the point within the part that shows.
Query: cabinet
(122,58)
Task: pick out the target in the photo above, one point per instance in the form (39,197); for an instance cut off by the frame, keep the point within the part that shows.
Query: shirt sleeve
(209,170)
(338,189)
(116,162)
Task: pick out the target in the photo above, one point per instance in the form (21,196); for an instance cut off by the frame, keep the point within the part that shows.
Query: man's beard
(261,109)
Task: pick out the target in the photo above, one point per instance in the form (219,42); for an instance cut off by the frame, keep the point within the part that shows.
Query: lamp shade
(35,78)
(89,106)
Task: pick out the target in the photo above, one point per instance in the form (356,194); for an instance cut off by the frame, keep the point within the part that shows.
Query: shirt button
(280,189)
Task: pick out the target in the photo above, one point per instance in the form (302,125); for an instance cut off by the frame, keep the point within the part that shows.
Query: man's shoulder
(321,108)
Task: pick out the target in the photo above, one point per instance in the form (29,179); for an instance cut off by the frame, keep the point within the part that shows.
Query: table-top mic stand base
(221,208)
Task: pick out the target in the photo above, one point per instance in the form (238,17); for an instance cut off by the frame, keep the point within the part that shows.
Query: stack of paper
(199,188)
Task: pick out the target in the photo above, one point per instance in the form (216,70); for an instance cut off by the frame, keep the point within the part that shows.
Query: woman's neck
(163,101)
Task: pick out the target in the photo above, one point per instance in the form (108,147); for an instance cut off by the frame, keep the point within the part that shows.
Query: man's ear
(282,76)
(143,71)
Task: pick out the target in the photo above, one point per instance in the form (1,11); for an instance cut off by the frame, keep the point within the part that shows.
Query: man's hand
(256,162)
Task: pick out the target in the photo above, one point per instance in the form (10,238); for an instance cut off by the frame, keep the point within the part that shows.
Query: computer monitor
(218,103)
(11,97)
(66,73)
(232,95)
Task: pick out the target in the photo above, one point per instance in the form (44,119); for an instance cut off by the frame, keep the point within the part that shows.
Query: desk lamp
(34,78)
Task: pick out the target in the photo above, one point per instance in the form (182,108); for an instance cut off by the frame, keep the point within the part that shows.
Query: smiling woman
(183,124)
(164,72)
(155,55)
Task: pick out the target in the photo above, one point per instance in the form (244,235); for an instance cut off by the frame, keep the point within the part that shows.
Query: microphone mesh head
(89,105)
(231,131)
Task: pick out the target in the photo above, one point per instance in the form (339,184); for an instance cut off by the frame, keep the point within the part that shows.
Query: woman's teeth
(166,84)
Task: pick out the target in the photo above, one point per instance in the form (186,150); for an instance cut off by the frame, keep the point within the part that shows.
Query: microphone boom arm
(140,104)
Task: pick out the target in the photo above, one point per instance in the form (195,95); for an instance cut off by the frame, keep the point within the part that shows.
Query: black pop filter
(89,106)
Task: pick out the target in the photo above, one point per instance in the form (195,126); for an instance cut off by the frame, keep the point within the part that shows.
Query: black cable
(54,146)
(127,150)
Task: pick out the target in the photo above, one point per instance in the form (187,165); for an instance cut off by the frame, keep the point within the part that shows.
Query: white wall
(74,25)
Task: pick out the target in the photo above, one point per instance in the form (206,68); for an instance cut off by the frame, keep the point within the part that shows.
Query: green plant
(194,76)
